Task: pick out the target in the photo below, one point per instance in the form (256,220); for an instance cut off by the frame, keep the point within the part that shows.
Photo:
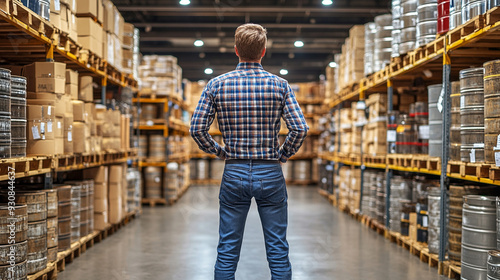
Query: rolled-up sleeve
(296,124)
(203,118)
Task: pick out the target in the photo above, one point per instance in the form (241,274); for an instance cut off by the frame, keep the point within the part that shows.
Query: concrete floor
(179,243)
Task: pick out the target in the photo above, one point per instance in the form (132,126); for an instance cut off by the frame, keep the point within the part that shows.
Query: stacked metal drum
(18,116)
(401,192)
(392,124)
(381,195)
(369,178)
(443,23)
(383,42)
(490,4)
(435,121)
(76,189)
(434,210)
(427,18)
(84,209)
(491,110)
(5,114)
(472,115)
(455,13)
(419,111)
(152,178)
(396,23)
(20,218)
(408,26)
(473,8)
(479,235)
(370,30)
(455,138)
(406,135)
(52,225)
(157,146)
(64,217)
(171,180)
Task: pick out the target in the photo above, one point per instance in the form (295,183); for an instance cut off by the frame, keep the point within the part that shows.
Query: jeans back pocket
(231,190)
(273,190)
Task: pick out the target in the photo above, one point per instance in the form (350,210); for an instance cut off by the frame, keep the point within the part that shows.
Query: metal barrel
(383,42)
(473,8)
(491,109)
(493,265)
(478,234)
(152,179)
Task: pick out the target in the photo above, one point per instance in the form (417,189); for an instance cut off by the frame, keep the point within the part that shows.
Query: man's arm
(297,126)
(203,117)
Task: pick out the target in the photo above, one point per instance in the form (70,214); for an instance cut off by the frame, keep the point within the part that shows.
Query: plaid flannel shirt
(249,103)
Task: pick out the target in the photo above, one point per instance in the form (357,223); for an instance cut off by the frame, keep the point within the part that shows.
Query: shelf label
(70,136)
(497,159)
(423,132)
(35,133)
(440,102)
(462,101)
(49,126)
(479,145)
(473,156)
(391,135)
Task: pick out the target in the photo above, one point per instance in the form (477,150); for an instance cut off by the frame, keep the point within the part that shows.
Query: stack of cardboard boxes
(47,105)
(345,129)
(63,17)
(110,194)
(128,44)
(349,179)
(161,76)
(375,131)
(114,27)
(351,60)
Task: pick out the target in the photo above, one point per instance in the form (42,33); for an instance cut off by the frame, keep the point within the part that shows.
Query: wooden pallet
(375,159)
(454,272)
(400,160)
(465,29)
(49,273)
(426,162)
(66,44)
(431,259)
(152,202)
(24,15)
(24,166)
(479,170)
(492,16)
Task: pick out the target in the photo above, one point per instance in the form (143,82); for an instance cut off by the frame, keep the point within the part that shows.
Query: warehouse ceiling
(170,28)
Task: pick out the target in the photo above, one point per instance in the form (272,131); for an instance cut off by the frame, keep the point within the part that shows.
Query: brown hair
(251,39)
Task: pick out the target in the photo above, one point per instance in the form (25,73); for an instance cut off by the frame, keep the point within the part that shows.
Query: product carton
(99,174)
(100,220)
(86,89)
(79,114)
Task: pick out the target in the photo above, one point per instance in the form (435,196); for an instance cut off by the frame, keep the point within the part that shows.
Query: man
(250,103)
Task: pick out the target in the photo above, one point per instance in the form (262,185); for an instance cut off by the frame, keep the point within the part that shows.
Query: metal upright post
(362,167)
(49,53)
(104,84)
(388,172)
(445,151)
(338,164)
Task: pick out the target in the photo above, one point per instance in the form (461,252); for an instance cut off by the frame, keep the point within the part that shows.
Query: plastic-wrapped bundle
(370,30)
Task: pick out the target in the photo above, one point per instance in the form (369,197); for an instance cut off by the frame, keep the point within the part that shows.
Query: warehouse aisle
(179,242)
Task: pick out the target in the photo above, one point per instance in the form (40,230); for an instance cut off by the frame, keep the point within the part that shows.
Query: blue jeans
(243,180)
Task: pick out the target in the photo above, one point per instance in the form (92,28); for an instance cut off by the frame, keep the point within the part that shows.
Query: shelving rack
(26,38)
(169,126)
(472,43)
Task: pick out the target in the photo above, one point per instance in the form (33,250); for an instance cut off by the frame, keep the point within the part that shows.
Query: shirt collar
(249,65)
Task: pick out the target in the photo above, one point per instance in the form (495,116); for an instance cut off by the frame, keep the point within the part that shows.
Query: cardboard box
(40,129)
(79,114)
(116,173)
(86,7)
(91,43)
(115,210)
(39,112)
(46,70)
(100,220)
(79,138)
(88,27)
(99,175)
(55,7)
(109,15)
(50,99)
(90,111)
(86,89)
(48,85)
(413,219)
(115,190)
(71,77)
(413,233)
(59,146)
(40,147)
(68,142)
(100,205)
(128,29)
(101,190)
(59,128)
(55,19)
(72,90)
(100,11)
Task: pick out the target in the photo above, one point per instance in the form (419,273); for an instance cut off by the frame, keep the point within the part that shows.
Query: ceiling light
(199,43)
(327,2)
(209,71)
(298,44)
(333,64)
(185,2)
(284,72)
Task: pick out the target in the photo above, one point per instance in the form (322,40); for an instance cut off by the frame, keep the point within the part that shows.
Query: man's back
(249,103)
